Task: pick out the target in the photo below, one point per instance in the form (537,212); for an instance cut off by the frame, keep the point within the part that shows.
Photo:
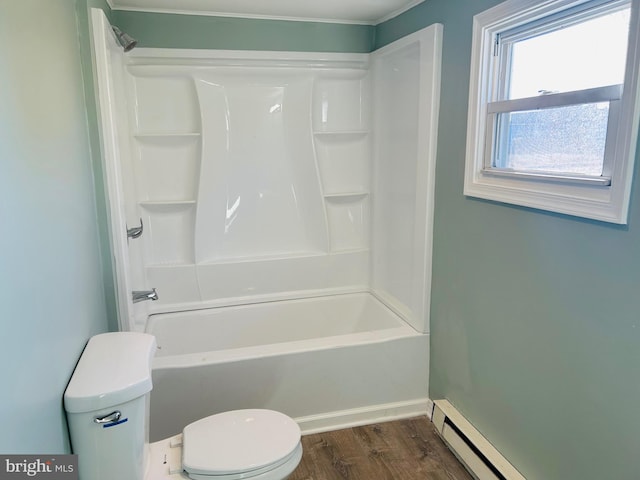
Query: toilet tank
(107,406)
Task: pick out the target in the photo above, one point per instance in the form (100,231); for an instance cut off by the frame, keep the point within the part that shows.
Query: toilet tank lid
(114,368)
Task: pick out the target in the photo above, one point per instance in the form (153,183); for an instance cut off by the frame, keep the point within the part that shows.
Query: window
(554,106)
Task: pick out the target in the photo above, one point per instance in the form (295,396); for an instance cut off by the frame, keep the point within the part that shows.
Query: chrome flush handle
(110,418)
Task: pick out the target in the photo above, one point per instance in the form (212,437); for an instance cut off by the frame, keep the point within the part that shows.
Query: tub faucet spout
(142,295)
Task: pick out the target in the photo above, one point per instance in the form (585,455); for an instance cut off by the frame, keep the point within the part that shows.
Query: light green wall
(193,31)
(51,292)
(535,317)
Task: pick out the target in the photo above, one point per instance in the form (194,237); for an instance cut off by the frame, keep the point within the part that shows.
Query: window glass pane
(565,139)
(583,55)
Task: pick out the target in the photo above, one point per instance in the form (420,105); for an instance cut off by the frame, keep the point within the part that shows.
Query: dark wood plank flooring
(398,450)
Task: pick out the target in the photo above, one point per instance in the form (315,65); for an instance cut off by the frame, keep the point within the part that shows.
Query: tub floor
(398,450)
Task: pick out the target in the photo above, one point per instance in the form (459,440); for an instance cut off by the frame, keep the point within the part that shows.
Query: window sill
(596,202)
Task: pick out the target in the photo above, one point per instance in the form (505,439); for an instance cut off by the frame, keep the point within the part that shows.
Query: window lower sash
(548,177)
(591,95)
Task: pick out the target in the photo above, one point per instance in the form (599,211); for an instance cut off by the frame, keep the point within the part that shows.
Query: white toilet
(107,404)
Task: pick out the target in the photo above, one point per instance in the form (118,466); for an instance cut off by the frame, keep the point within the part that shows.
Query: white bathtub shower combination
(286,205)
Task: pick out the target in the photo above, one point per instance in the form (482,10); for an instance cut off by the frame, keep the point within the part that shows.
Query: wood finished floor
(399,450)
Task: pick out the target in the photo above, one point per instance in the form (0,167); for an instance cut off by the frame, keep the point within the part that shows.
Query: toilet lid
(238,441)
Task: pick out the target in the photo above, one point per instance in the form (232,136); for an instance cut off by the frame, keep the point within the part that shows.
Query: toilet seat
(277,471)
(240,444)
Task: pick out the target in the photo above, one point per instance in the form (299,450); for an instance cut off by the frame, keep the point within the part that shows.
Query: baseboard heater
(481,458)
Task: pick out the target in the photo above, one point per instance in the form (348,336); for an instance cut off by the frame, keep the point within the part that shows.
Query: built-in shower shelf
(345,196)
(167,135)
(336,252)
(172,266)
(284,256)
(166,203)
(341,136)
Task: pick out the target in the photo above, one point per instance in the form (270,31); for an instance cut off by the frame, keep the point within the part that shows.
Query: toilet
(107,405)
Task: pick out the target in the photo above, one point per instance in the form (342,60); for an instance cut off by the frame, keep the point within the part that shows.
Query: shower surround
(250,175)
(266,178)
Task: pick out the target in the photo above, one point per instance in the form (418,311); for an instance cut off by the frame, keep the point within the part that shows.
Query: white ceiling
(368,12)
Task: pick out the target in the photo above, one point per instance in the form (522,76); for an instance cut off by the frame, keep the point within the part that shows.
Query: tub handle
(135,232)
(110,418)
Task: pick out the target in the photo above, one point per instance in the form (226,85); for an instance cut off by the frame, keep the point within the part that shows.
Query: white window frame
(603,198)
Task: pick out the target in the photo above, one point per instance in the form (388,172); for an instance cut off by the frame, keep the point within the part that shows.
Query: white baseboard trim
(364,416)
(430,407)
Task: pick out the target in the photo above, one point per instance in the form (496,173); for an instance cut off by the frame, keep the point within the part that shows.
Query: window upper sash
(562,19)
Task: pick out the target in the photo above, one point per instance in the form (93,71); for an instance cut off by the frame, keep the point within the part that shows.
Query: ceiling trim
(210,13)
(400,11)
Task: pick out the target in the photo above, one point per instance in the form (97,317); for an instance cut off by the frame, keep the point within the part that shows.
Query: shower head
(124,39)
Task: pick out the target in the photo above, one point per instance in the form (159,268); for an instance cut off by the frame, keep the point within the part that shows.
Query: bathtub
(328,362)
